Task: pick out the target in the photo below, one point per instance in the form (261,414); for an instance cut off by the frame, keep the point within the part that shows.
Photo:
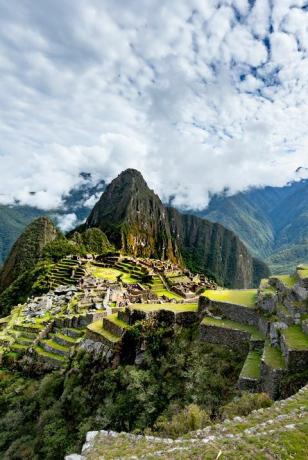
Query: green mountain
(271,221)
(15,218)
(13,221)
(27,250)
(137,222)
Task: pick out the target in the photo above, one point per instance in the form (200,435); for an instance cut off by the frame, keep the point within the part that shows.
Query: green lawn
(252,365)
(273,357)
(295,338)
(228,324)
(245,297)
(175,307)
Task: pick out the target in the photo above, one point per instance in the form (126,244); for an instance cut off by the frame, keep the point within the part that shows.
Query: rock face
(137,222)
(134,218)
(27,250)
(212,249)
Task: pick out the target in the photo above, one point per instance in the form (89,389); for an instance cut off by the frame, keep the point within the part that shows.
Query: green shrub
(246,403)
(191,418)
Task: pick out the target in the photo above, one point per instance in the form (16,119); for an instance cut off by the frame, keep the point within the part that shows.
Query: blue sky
(199,95)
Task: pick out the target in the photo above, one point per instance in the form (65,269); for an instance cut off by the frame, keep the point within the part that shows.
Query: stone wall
(238,313)
(232,338)
(296,360)
(248,384)
(271,380)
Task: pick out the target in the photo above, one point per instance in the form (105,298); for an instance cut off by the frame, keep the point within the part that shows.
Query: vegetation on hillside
(179,377)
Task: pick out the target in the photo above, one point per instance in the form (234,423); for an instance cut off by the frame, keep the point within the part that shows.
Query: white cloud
(66,222)
(198,95)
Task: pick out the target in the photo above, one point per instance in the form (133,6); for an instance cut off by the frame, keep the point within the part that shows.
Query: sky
(199,95)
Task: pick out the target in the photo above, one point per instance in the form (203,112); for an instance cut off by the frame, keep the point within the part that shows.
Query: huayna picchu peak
(136,221)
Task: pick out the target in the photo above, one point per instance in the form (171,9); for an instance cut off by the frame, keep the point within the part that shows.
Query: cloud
(66,222)
(198,95)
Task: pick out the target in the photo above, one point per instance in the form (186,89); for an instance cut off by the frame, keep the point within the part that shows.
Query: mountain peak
(27,250)
(133,217)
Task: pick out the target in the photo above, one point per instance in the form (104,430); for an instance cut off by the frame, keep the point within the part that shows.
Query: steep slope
(27,250)
(249,221)
(134,218)
(13,221)
(278,432)
(214,250)
(272,221)
(137,222)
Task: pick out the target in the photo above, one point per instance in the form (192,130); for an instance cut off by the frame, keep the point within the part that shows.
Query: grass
(302,271)
(295,338)
(114,318)
(288,280)
(55,345)
(244,297)
(158,287)
(252,365)
(109,274)
(48,354)
(277,432)
(228,324)
(273,357)
(97,327)
(177,308)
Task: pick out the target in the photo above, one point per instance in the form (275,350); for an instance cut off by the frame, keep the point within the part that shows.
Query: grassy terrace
(295,338)
(114,318)
(111,274)
(287,280)
(273,357)
(97,327)
(177,308)
(42,352)
(228,324)
(158,287)
(252,365)
(302,271)
(245,297)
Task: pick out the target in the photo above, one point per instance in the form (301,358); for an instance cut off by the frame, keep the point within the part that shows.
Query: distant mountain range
(271,221)
(15,218)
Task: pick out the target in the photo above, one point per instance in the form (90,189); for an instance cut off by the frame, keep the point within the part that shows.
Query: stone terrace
(278,311)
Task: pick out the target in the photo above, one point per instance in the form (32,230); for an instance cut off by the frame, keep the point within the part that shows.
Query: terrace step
(96,331)
(51,346)
(19,348)
(55,359)
(24,340)
(230,333)
(71,332)
(114,325)
(251,372)
(31,328)
(63,339)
